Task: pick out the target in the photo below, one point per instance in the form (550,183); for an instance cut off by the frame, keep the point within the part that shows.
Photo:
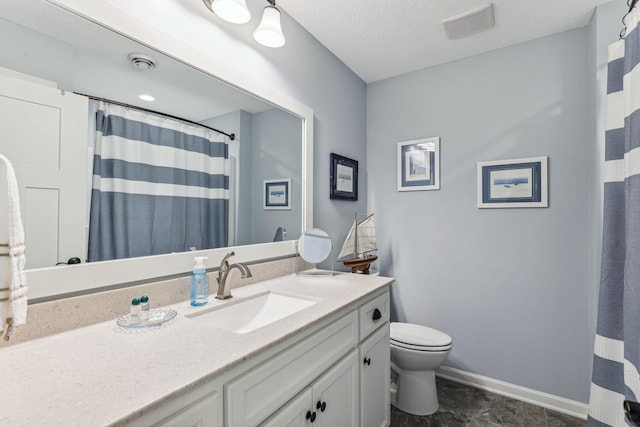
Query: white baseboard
(545,400)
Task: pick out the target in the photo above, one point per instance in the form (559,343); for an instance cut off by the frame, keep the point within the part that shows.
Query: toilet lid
(414,335)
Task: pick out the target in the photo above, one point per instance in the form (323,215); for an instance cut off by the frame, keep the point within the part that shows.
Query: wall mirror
(78,55)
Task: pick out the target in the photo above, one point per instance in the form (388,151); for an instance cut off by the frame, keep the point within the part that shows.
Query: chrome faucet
(224,292)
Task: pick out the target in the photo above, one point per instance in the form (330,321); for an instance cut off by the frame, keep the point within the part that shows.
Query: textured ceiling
(379,39)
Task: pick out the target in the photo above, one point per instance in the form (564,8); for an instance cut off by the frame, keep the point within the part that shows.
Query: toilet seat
(420,348)
(419,338)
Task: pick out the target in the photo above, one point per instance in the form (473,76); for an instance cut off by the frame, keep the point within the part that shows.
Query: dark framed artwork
(343,177)
(515,183)
(419,164)
(276,194)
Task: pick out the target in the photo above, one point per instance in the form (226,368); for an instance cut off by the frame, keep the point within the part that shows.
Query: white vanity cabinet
(336,374)
(331,401)
(374,362)
(207,412)
(354,392)
(202,407)
(374,379)
(258,393)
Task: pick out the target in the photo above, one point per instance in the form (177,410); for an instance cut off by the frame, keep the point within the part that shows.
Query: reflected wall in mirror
(48,141)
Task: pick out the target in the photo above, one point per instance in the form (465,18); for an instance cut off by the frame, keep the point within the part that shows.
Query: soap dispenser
(199,283)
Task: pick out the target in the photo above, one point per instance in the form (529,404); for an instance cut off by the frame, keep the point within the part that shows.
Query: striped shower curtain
(159,186)
(616,357)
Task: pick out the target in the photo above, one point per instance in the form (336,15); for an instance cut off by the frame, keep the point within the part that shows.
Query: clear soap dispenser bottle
(199,283)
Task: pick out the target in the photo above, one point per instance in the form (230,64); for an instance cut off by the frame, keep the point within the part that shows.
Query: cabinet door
(296,413)
(252,397)
(206,413)
(374,379)
(335,394)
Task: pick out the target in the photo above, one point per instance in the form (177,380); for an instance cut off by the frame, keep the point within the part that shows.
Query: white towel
(13,289)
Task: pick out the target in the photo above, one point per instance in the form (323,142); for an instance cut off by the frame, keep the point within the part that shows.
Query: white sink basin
(251,313)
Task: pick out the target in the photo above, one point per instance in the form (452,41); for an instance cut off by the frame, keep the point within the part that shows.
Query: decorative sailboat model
(358,250)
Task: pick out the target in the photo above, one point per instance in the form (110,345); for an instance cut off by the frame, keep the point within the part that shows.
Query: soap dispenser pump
(199,283)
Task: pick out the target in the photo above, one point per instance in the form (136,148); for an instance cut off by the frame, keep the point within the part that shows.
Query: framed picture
(343,175)
(516,183)
(276,194)
(419,164)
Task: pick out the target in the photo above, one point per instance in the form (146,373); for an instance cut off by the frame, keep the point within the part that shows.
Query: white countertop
(104,375)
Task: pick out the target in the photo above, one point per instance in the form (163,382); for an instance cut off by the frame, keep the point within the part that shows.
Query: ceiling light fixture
(234,11)
(269,32)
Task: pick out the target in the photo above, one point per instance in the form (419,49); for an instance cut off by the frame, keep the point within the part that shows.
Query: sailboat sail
(360,241)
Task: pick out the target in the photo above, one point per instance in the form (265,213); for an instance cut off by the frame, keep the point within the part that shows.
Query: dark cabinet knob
(321,406)
(376,314)
(311,416)
(367,361)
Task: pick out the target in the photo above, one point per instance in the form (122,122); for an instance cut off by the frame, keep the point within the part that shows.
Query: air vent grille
(141,61)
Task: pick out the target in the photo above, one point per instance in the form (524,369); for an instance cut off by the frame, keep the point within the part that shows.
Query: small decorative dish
(156,318)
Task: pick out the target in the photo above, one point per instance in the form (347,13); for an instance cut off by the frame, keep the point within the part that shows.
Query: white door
(335,394)
(374,379)
(43,132)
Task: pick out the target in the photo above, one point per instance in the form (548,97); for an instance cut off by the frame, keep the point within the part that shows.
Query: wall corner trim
(539,398)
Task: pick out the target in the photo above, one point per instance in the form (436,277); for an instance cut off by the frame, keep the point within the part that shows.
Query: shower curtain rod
(231,136)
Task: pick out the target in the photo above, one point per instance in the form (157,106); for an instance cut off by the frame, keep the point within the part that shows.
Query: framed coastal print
(343,176)
(276,194)
(516,183)
(419,164)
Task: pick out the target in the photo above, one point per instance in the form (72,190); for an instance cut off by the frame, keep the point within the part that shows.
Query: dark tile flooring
(461,405)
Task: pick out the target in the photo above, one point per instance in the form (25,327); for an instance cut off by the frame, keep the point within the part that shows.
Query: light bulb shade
(234,11)
(269,32)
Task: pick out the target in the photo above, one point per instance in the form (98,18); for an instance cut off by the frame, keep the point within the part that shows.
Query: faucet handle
(227,256)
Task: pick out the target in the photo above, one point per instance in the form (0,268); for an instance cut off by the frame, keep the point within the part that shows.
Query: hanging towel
(13,289)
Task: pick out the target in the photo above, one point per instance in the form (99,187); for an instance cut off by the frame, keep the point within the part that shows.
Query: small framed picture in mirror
(343,176)
(276,194)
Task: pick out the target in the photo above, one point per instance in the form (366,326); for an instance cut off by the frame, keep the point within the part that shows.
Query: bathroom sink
(254,312)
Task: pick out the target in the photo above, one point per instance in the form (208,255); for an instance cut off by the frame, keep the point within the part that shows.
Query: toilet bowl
(416,352)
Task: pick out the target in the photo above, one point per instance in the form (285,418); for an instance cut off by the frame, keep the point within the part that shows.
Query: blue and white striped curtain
(159,186)
(616,358)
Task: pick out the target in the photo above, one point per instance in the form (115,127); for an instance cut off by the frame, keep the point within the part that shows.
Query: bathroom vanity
(326,364)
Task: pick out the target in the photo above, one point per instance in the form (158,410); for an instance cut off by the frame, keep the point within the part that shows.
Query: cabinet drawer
(370,319)
(254,396)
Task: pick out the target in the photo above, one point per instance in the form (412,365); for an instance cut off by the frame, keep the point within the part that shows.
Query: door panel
(44,133)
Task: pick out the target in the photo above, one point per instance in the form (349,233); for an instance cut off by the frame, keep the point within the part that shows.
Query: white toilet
(416,352)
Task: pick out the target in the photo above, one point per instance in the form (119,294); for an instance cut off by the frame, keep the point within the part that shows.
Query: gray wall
(274,156)
(511,286)
(268,146)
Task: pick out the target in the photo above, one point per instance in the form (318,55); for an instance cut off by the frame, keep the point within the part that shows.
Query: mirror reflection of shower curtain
(159,186)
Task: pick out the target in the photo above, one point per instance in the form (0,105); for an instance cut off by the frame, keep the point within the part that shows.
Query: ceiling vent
(141,61)
(471,22)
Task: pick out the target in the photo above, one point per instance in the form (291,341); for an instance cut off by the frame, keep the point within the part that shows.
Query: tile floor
(461,405)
